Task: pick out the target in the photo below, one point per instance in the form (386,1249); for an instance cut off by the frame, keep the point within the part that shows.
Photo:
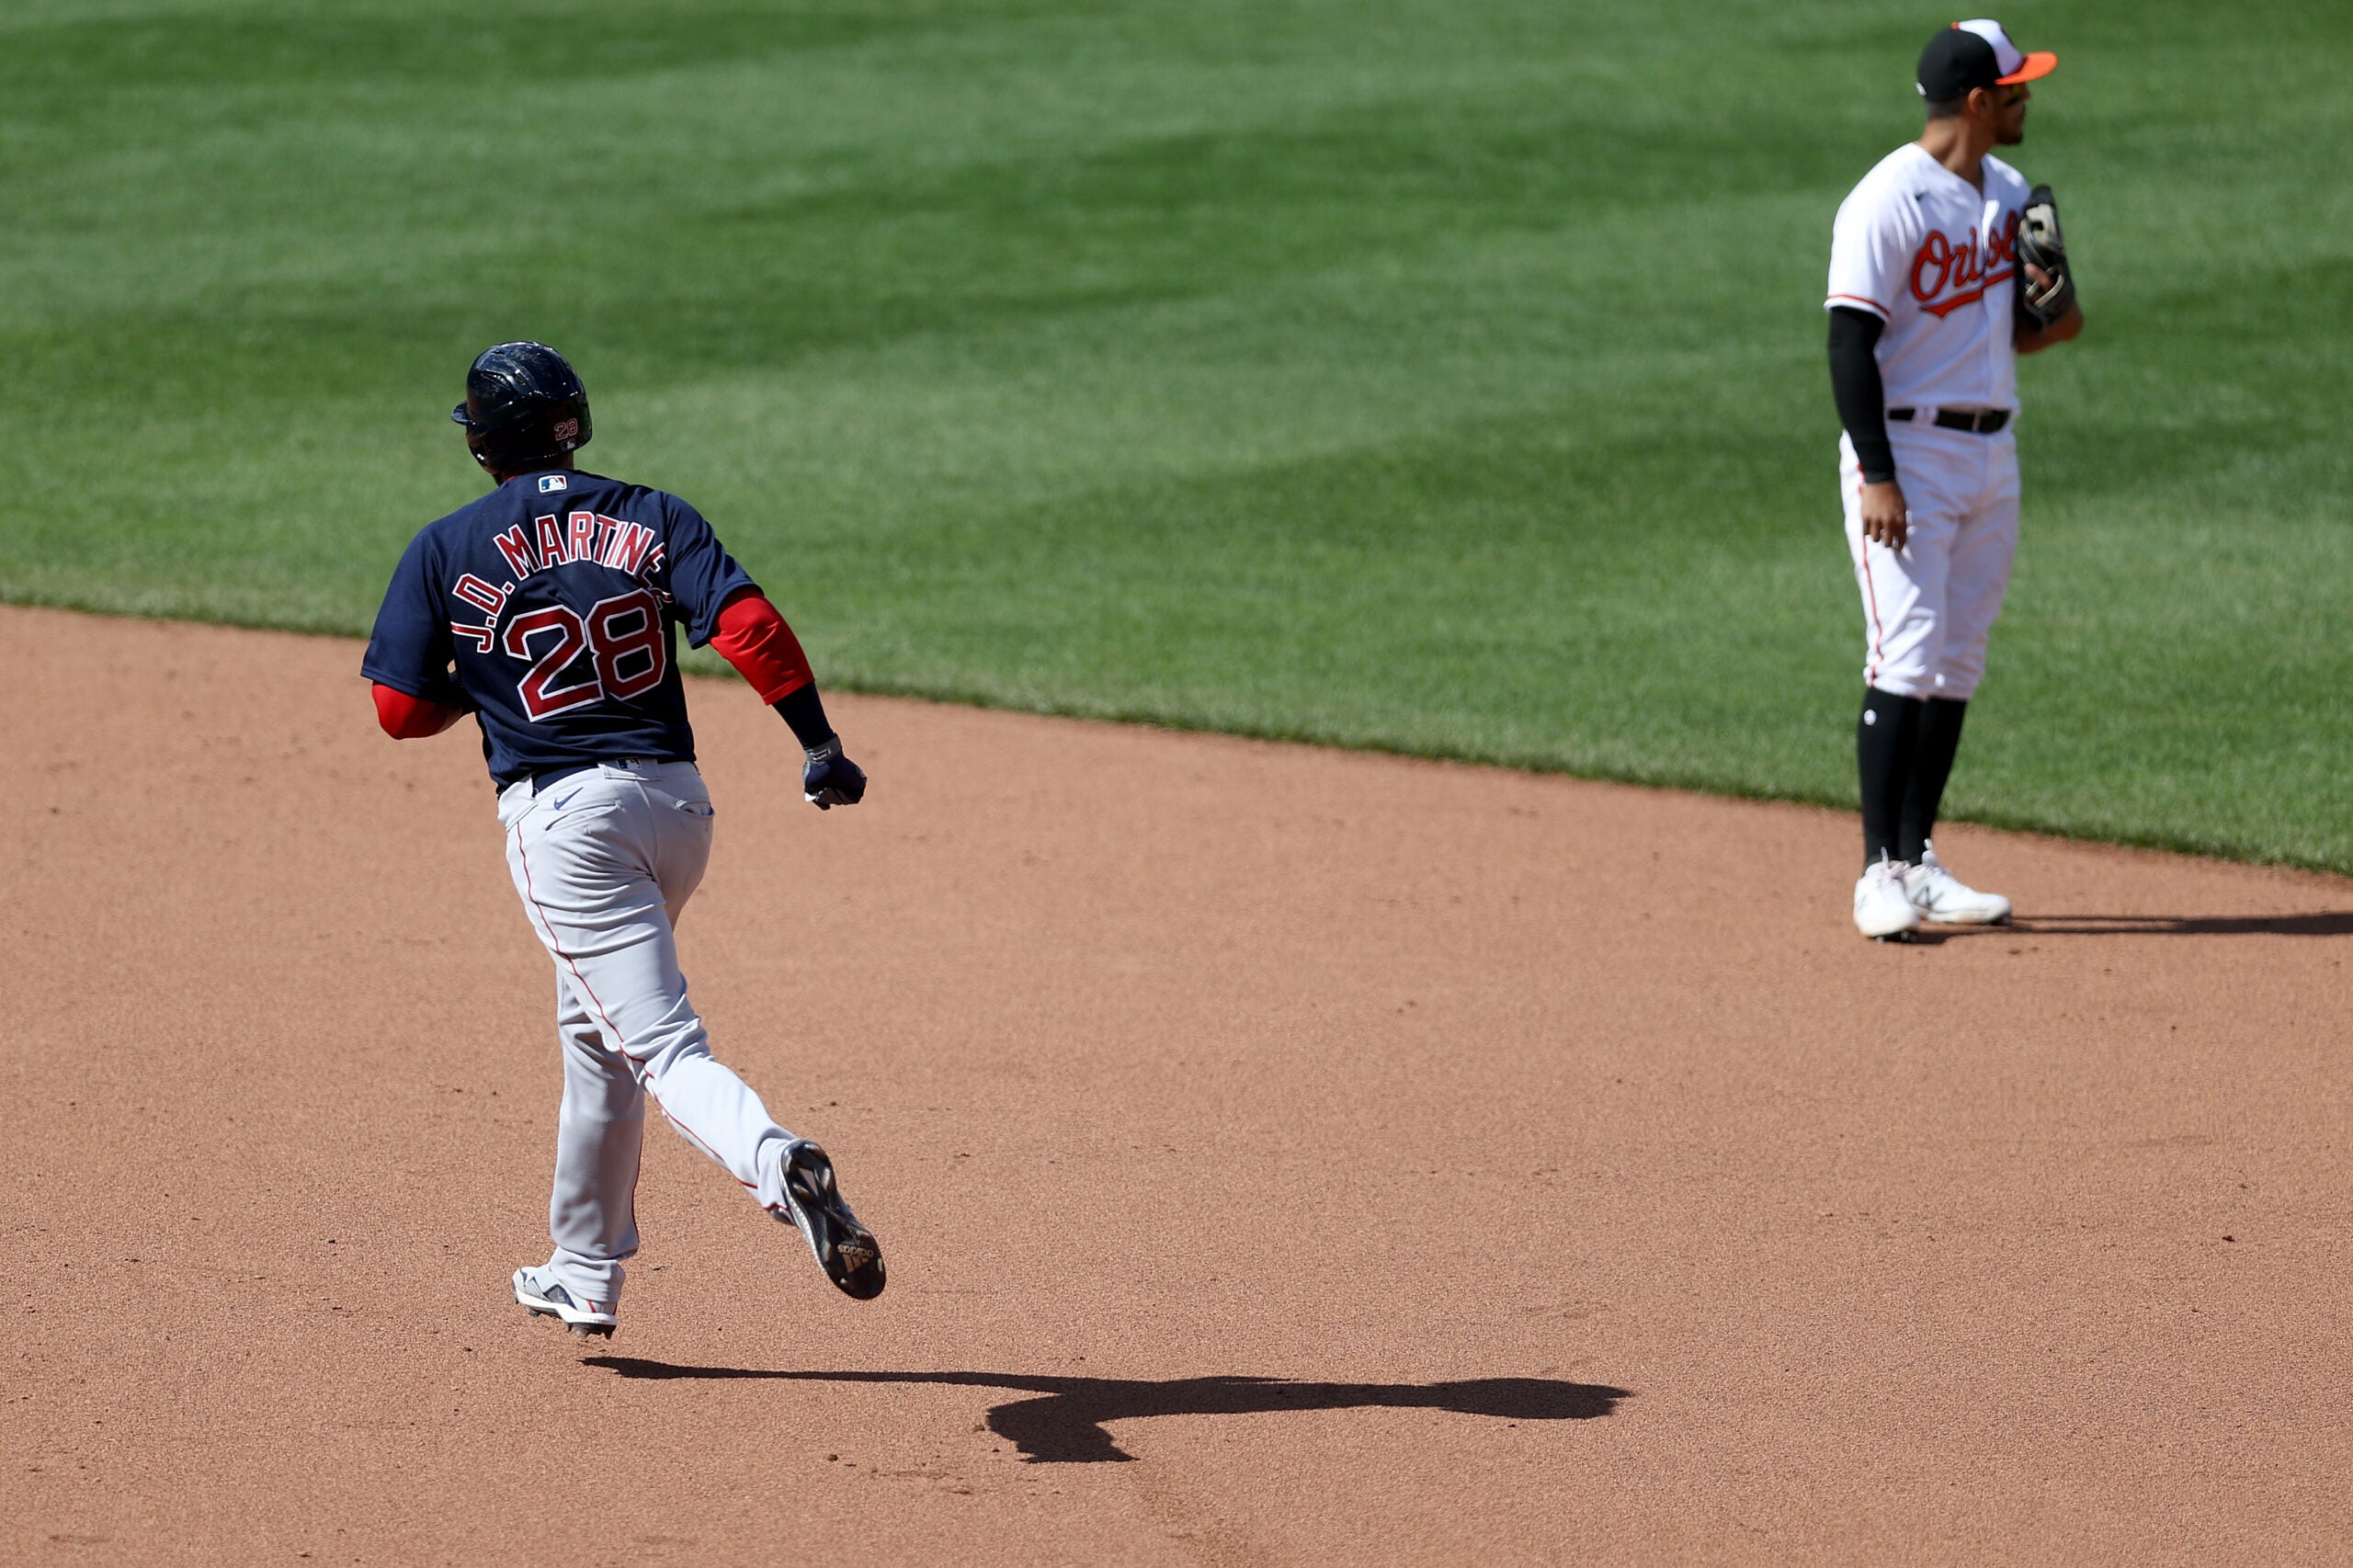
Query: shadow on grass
(1065,1423)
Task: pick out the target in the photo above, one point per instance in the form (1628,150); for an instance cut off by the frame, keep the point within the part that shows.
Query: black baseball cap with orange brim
(1976,54)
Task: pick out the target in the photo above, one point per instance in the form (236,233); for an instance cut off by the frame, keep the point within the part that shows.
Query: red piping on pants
(611,1029)
(1871,596)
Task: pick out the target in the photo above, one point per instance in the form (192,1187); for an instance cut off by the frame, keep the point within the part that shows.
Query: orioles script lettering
(1965,267)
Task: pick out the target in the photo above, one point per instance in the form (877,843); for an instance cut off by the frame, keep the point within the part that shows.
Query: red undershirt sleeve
(753,638)
(406,718)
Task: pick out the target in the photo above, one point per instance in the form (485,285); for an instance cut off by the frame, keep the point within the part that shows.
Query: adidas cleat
(846,1250)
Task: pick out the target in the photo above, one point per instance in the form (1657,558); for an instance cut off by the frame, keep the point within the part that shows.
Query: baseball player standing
(546,608)
(1927,314)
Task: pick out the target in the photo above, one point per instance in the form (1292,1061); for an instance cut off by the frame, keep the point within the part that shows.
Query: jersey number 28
(625,635)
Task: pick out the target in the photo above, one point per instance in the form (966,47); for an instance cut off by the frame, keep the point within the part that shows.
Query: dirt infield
(1284,1156)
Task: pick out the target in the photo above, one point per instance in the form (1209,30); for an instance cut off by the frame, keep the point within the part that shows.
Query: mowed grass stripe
(1439,377)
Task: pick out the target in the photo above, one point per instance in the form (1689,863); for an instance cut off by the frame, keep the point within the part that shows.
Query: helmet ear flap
(479,447)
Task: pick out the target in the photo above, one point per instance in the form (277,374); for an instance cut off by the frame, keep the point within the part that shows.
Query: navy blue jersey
(546,608)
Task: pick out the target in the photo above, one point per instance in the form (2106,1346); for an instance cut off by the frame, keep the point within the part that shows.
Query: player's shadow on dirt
(2319,923)
(1065,1423)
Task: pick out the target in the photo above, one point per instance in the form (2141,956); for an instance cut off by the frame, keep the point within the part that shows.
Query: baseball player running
(546,609)
(1927,314)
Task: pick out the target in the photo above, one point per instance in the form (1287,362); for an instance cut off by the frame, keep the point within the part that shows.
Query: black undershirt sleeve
(801,709)
(1855,386)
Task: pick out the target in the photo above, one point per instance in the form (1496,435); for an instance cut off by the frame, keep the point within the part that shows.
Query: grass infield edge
(2201,847)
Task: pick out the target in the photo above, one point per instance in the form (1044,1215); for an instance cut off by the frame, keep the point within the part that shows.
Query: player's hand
(832,779)
(1886,519)
(2032,337)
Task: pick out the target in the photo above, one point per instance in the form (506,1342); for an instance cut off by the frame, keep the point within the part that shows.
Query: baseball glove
(2040,245)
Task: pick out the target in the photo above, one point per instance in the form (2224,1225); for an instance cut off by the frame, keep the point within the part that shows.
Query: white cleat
(1883,910)
(537,1293)
(1945,899)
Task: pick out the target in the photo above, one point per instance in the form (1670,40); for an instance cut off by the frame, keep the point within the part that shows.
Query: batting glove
(832,779)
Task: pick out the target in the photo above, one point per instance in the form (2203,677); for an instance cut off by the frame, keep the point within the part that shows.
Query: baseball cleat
(537,1293)
(1883,908)
(846,1250)
(1943,898)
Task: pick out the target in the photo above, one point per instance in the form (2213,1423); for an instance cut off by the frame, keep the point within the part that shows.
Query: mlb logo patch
(550,482)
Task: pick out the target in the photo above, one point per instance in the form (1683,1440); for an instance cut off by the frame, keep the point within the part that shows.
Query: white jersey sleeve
(1872,246)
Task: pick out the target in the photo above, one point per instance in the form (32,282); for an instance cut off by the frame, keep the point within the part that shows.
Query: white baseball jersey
(1933,257)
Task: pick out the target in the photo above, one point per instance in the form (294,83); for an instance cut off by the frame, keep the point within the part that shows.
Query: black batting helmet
(524,403)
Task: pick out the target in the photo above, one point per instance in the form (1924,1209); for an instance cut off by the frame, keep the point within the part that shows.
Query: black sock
(1931,766)
(1887,738)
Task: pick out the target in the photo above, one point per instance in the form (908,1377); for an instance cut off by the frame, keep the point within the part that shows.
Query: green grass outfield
(1438,375)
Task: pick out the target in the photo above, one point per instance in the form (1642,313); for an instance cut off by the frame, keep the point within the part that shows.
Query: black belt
(554,776)
(1981,421)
